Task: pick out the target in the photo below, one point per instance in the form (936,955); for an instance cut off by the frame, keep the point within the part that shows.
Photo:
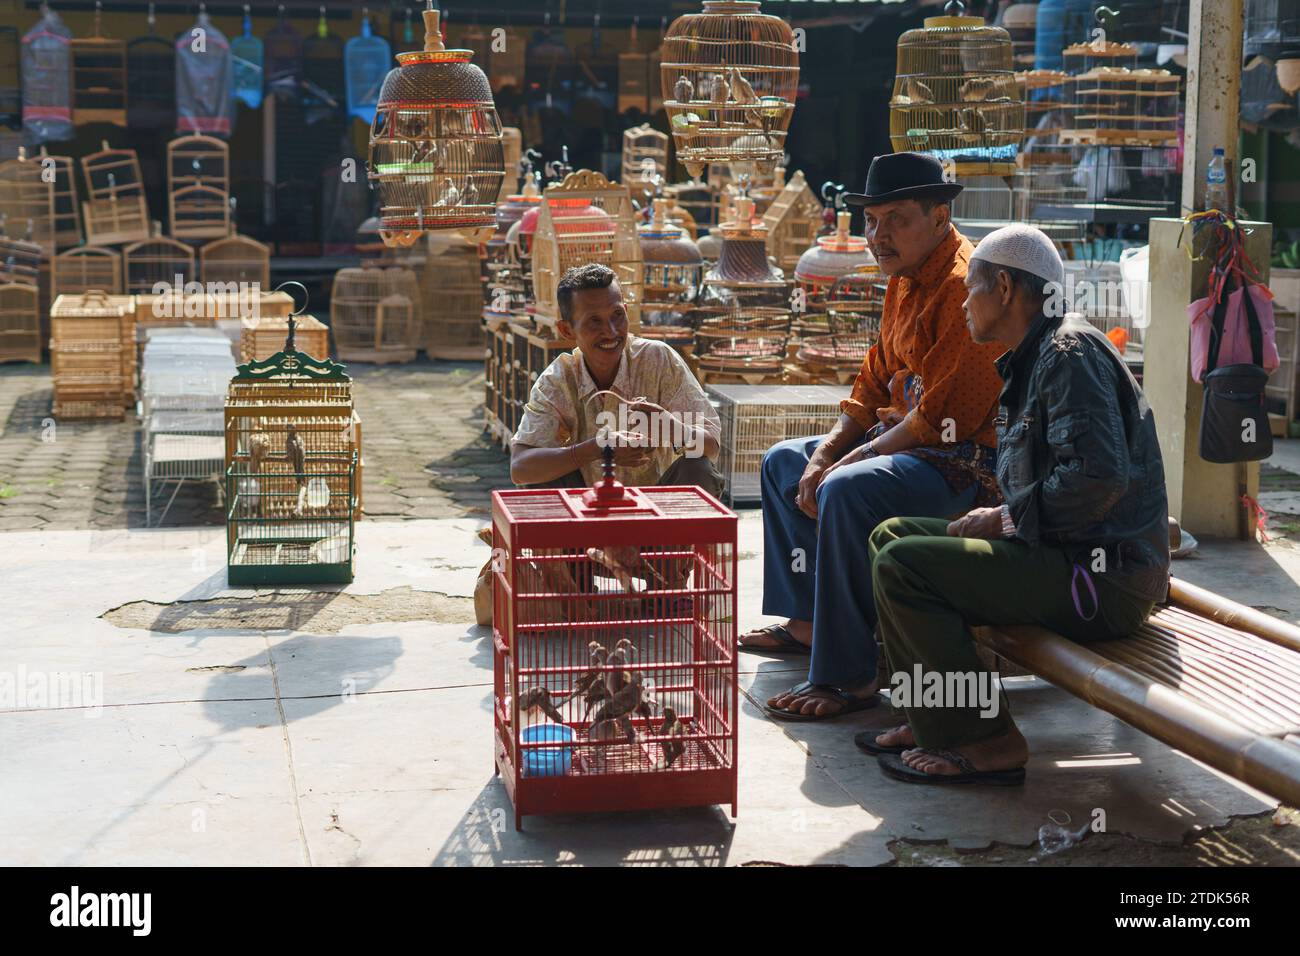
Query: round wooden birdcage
(153,261)
(436,151)
(955,95)
(729,75)
(673,271)
(452,287)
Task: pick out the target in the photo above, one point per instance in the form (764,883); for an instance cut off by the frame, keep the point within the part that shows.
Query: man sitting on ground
(1080,547)
(615,388)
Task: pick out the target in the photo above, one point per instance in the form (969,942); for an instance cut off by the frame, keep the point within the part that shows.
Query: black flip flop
(851,703)
(866,742)
(894,766)
(787,645)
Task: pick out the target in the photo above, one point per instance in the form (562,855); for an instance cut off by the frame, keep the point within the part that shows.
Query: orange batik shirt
(926,372)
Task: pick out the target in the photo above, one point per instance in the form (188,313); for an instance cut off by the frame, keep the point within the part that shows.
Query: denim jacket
(1078,461)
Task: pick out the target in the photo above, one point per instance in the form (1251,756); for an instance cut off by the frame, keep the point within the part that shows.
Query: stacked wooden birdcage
(236,260)
(744,316)
(614,662)
(98,78)
(293,471)
(532,350)
(92,355)
(84,268)
(114,210)
(27,201)
(955,95)
(729,76)
(645,160)
(159,260)
(506,284)
(792,221)
(20,321)
(198,187)
(829,258)
(374,314)
(1123,130)
(586,219)
(261,336)
(67,206)
(673,271)
(694,201)
(436,152)
(854,307)
(452,288)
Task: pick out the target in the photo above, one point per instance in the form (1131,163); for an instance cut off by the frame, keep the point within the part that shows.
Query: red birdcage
(614,658)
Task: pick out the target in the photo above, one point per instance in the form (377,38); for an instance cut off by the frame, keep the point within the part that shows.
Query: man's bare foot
(898,737)
(761,640)
(817,703)
(1007,751)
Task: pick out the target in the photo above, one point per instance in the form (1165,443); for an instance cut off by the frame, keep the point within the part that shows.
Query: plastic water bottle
(1216,182)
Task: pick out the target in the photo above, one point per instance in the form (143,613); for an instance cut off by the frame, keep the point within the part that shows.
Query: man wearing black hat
(915,438)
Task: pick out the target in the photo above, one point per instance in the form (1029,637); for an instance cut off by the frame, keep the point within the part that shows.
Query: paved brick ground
(422,442)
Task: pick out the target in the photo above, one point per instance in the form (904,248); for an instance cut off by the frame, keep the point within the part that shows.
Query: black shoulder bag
(1234,420)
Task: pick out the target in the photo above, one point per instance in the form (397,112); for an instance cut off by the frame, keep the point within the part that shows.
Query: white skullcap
(1022,247)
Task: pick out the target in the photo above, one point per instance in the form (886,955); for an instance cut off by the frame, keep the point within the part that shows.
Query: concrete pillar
(1204,497)
(1213,93)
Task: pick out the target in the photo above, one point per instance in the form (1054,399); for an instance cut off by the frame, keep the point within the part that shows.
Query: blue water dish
(547,761)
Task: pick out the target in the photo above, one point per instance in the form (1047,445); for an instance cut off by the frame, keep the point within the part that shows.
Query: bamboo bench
(1216,680)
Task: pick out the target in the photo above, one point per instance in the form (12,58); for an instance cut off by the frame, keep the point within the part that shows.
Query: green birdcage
(293,471)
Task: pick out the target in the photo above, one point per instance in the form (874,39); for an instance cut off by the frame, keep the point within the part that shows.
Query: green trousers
(930,588)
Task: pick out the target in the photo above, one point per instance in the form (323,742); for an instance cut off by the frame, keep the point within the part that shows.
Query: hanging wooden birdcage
(20,322)
(79,270)
(235,259)
(198,187)
(634,79)
(1115,105)
(27,201)
(583,219)
(452,290)
(436,153)
(673,270)
(645,159)
(156,261)
(374,314)
(728,73)
(98,78)
(114,210)
(792,221)
(293,471)
(956,97)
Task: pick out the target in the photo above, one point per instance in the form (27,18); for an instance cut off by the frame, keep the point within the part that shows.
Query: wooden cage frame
(115,210)
(20,322)
(98,85)
(156,251)
(235,259)
(76,271)
(27,201)
(67,202)
(792,222)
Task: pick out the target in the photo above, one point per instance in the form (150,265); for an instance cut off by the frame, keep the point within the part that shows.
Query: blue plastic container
(547,761)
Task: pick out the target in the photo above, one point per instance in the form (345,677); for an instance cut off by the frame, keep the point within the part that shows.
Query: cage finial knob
(289,347)
(432,32)
(954,8)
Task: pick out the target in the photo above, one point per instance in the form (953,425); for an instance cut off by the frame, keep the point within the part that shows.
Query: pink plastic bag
(1235,348)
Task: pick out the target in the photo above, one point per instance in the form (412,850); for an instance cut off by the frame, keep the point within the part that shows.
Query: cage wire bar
(614,677)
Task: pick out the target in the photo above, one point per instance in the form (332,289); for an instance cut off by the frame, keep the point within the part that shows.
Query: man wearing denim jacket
(1079,547)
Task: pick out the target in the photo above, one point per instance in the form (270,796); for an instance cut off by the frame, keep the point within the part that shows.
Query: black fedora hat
(897,176)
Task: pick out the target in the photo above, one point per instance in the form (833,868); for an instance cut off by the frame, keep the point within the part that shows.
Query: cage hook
(306,296)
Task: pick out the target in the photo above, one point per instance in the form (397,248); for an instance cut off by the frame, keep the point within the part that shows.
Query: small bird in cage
(425,150)
(450,195)
(976,89)
(683,90)
(971,122)
(674,728)
(918,94)
(634,698)
(539,698)
(741,90)
(296,455)
(617,679)
(721,91)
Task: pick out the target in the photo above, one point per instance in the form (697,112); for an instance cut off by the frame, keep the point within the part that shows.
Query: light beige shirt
(558,412)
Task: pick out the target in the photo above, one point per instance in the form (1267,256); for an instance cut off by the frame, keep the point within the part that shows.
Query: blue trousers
(820,571)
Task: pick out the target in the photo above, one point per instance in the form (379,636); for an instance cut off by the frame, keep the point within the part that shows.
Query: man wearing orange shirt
(915,438)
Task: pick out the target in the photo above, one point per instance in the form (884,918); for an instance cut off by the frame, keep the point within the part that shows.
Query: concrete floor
(369,742)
